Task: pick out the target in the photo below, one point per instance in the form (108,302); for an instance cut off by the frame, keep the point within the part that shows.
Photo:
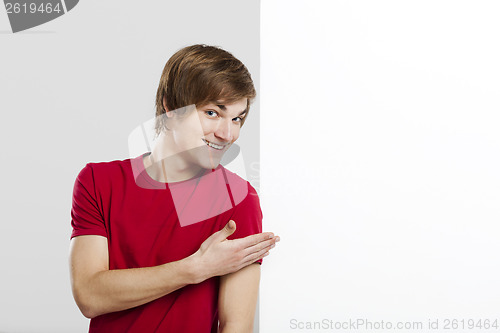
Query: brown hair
(201,74)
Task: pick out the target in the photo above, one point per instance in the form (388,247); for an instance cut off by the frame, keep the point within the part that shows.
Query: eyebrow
(223,108)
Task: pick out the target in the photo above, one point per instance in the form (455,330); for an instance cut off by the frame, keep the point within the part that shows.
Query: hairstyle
(202,74)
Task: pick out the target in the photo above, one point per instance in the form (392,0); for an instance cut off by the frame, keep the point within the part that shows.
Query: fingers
(261,247)
(230,227)
(257,255)
(227,231)
(254,239)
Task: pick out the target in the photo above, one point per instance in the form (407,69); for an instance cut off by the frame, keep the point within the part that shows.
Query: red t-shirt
(149,223)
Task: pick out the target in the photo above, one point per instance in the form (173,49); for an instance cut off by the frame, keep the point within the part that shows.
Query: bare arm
(238,294)
(98,290)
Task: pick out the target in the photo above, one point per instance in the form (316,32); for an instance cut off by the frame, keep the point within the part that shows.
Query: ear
(168,113)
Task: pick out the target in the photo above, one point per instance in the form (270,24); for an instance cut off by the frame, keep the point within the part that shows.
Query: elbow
(85,304)
(87,309)
(87,312)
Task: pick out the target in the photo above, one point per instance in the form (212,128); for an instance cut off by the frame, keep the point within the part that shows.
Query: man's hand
(219,256)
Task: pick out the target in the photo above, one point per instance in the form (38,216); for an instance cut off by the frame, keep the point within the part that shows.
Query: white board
(380,153)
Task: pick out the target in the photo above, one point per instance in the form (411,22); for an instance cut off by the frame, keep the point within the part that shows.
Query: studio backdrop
(72,91)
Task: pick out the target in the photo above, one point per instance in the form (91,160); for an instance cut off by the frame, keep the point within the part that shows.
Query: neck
(166,165)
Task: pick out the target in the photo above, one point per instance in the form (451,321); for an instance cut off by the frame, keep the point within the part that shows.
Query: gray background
(71,91)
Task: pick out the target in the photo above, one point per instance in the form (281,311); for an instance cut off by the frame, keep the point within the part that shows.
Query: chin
(206,160)
(210,164)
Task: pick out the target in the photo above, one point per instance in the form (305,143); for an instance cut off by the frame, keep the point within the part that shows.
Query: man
(170,241)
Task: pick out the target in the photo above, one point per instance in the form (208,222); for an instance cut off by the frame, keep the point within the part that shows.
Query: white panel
(379,166)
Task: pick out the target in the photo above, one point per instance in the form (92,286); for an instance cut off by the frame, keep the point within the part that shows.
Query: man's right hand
(218,255)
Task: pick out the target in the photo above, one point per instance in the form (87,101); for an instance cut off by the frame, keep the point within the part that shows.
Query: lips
(214,145)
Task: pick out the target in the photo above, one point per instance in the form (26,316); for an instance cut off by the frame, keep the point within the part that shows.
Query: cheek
(208,126)
(197,127)
(236,133)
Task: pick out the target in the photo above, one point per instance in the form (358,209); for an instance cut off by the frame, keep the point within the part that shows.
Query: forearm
(114,290)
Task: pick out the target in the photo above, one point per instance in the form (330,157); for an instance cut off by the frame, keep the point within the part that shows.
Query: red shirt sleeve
(86,216)
(248,216)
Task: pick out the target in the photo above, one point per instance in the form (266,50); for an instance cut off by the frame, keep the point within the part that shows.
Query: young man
(170,241)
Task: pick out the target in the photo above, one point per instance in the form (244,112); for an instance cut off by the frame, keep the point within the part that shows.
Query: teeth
(213,145)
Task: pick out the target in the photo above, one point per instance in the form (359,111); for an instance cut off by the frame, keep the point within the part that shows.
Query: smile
(213,145)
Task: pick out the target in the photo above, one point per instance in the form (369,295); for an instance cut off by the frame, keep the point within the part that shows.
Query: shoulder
(247,212)
(109,166)
(241,190)
(101,175)
(106,169)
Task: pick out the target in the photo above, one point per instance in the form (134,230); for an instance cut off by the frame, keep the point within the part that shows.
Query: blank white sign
(380,159)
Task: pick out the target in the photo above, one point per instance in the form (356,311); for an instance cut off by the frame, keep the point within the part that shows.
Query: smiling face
(200,74)
(201,136)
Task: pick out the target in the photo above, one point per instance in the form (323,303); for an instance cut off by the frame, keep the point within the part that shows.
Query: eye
(211,113)
(239,119)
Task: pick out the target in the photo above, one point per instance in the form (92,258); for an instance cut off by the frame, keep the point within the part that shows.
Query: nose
(224,130)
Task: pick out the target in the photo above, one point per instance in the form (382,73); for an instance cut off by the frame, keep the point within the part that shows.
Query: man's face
(203,135)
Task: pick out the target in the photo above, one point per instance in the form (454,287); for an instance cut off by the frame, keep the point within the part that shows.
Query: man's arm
(238,294)
(98,290)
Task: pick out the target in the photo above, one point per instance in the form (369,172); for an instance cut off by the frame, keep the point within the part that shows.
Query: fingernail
(277,239)
(271,235)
